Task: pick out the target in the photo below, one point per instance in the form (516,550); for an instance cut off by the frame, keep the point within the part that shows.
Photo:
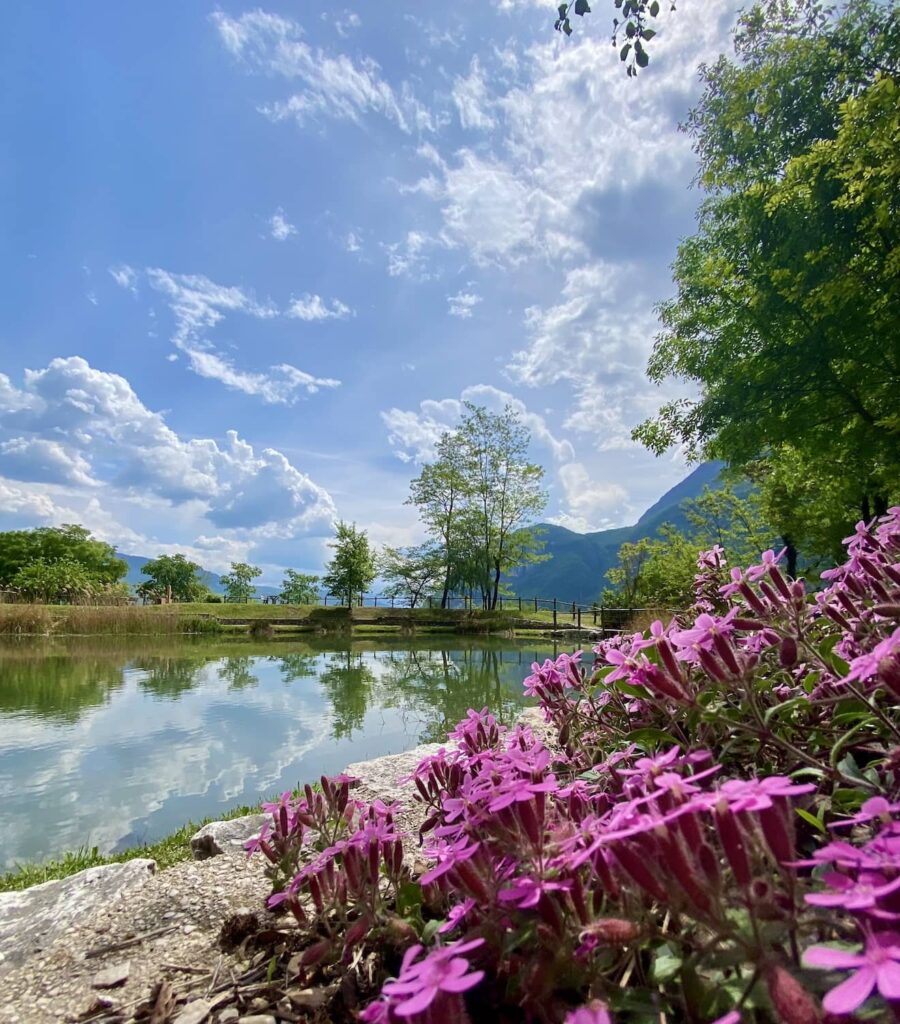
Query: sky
(255,258)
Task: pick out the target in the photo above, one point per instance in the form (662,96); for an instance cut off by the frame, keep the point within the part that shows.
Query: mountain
(209,579)
(578,562)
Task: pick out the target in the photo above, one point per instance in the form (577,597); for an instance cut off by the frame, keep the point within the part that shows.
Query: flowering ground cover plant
(715,836)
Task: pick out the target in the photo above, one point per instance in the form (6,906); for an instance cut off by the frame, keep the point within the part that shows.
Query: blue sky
(254,259)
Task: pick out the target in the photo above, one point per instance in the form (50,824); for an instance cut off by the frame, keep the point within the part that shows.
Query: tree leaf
(654,9)
(623,53)
(582,8)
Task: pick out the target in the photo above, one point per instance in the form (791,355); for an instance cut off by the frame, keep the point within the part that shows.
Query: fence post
(392,601)
(573,609)
(429,604)
(579,618)
(501,602)
(376,602)
(535,604)
(554,613)
(520,604)
(594,610)
(362,598)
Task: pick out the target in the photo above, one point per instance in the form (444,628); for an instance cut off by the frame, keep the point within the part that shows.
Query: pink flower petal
(851,993)
(419,1002)
(839,959)
(462,984)
(888,975)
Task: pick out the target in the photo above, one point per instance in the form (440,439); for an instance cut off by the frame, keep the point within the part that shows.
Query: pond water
(112,743)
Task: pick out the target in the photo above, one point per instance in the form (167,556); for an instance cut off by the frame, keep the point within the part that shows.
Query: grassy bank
(166,852)
(230,619)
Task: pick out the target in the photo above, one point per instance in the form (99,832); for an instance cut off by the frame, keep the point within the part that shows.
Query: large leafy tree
(787,313)
(172,578)
(238,583)
(20,549)
(299,588)
(412,573)
(478,500)
(353,566)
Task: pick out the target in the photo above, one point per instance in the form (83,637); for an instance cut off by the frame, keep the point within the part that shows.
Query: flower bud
(792,1003)
(612,931)
(787,653)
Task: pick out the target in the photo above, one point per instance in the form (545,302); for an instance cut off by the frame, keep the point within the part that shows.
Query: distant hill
(576,570)
(209,579)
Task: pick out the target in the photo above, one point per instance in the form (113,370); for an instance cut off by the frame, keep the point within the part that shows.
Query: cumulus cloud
(280,228)
(413,434)
(330,86)
(590,504)
(314,307)
(462,304)
(74,425)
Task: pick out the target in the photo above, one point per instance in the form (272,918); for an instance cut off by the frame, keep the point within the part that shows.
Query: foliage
(642,868)
(299,588)
(411,573)
(659,572)
(634,28)
(86,565)
(238,583)
(353,566)
(478,498)
(787,308)
(171,578)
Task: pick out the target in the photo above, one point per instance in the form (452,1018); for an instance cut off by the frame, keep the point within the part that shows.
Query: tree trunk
(791,554)
(866,509)
(881,505)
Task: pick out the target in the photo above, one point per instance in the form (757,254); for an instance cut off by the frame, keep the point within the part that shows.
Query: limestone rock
(112,976)
(226,837)
(381,776)
(36,918)
(194,1013)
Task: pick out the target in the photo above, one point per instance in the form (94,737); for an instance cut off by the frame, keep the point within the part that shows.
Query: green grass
(253,610)
(166,852)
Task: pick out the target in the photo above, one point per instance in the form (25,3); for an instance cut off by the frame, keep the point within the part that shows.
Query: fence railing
(604,617)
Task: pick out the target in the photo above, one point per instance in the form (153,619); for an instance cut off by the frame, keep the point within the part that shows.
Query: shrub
(715,837)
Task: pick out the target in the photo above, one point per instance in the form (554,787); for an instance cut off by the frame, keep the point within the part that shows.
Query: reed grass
(115,620)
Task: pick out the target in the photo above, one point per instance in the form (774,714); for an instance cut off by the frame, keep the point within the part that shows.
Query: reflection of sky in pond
(125,747)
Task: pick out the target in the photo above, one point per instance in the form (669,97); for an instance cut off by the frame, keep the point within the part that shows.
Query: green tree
(440,494)
(353,566)
(505,493)
(412,573)
(65,580)
(50,544)
(299,588)
(171,578)
(787,312)
(478,499)
(658,572)
(238,583)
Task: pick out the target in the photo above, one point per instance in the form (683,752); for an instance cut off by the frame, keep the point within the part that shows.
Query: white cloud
(407,258)
(462,304)
(413,435)
(72,427)
(590,504)
(567,128)
(470,94)
(280,227)
(43,460)
(352,243)
(124,276)
(313,307)
(337,87)
(199,304)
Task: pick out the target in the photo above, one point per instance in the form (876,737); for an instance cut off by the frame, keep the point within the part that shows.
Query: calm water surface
(111,744)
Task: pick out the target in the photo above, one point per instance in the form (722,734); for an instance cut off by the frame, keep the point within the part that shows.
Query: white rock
(35,918)
(113,976)
(226,837)
(194,1013)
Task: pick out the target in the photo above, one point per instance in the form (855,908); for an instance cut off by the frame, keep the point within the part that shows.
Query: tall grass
(116,620)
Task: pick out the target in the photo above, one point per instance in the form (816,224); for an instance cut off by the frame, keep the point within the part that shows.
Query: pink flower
(875,807)
(593,1012)
(877,967)
(852,895)
(441,970)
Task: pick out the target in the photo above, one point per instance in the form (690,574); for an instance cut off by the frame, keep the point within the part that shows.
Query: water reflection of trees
(56,687)
(168,677)
(296,666)
(348,682)
(440,686)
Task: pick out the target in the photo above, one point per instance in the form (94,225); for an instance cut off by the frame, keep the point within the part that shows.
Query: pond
(112,744)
